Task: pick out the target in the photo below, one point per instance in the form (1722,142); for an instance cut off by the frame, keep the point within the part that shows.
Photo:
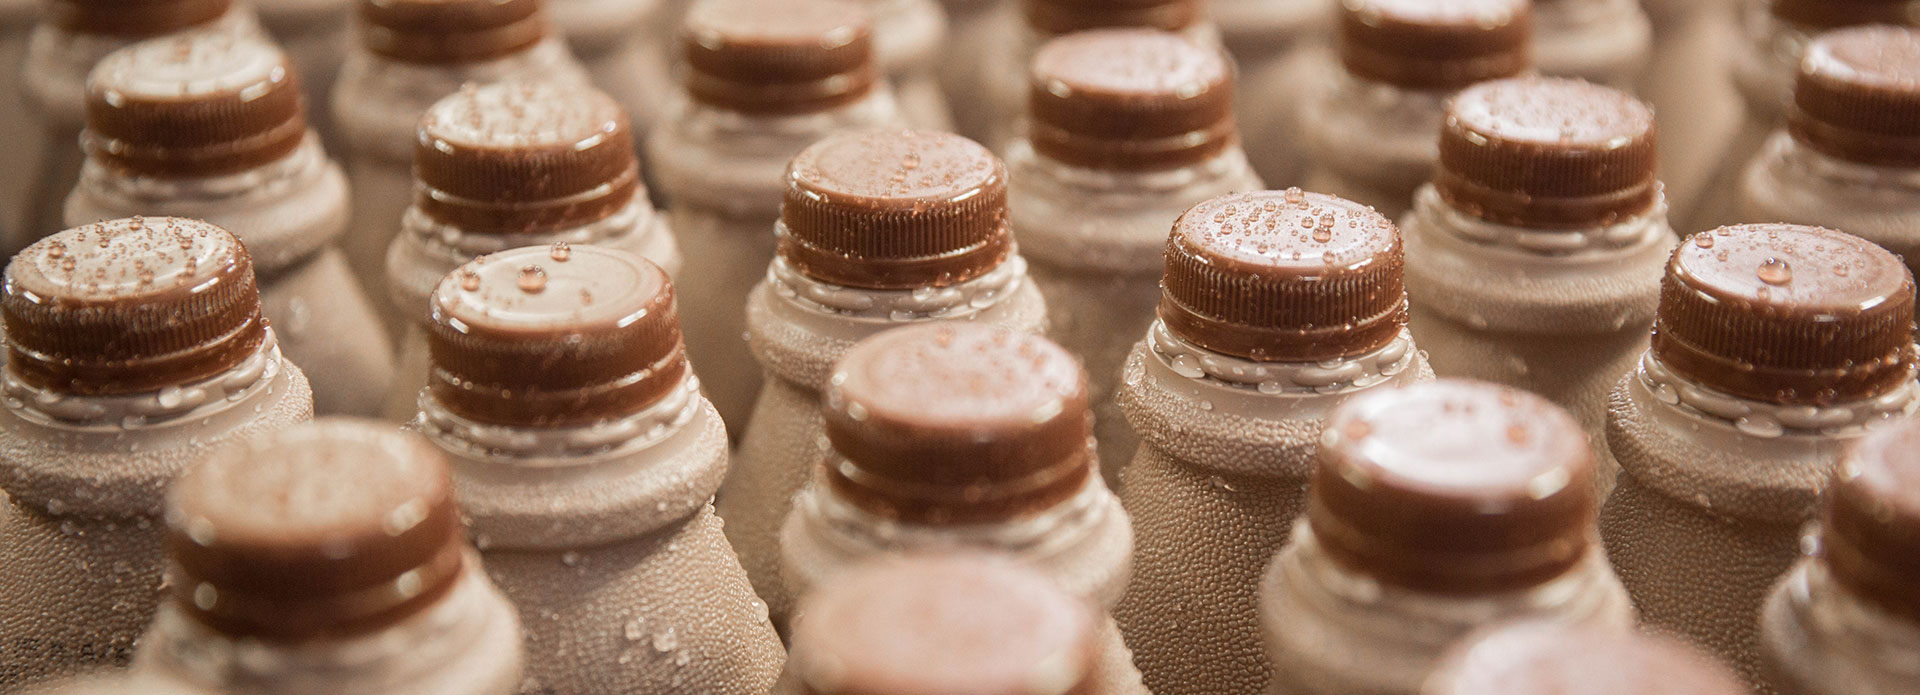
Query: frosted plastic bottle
(1271,40)
(326,558)
(72,36)
(135,348)
(764,79)
(212,127)
(1434,510)
(1230,391)
(961,623)
(409,54)
(1534,258)
(963,435)
(315,34)
(585,461)
(511,165)
(1604,41)
(1547,658)
(1846,159)
(879,230)
(1127,128)
(1776,348)
(616,42)
(908,36)
(1846,618)
(1766,61)
(21,141)
(1370,121)
(1689,82)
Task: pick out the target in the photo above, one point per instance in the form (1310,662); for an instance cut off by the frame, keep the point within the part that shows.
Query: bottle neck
(1763,420)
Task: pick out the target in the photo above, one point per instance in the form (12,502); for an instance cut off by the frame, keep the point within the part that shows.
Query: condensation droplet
(560,251)
(533,279)
(1704,241)
(1774,271)
(469,280)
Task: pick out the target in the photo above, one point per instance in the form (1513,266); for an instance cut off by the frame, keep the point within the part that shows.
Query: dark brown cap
(961,624)
(1056,17)
(1134,99)
(1548,153)
(450,31)
(1858,96)
(553,336)
(130,306)
(1454,487)
(895,210)
(1424,44)
(201,104)
(1786,314)
(1560,658)
(133,18)
(328,529)
(1871,534)
(1284,276)
(958,422)
(778,56)
(525,158)
(1833,14)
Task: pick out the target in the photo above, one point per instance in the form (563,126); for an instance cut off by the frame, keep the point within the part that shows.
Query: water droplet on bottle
(634,630)
(1774,271)
(533,279)
(570,558)
(1295,196)
(1271,388)
(1188,366)
(665,641)
(469,280)
(1704,241)
(1323,234)
(560,251)
(1840,271)
(56,250)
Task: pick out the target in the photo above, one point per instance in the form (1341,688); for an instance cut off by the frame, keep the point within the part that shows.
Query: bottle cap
(1832,14)
(1130,99)
(1284,276)
(450,31)
(1872,526)
(1548,153)
(1558,658)
(200,104)
(525,158)
(895,210)
(778,56)
(1786,314)
(554,336)
(944,625)
(130,306)
(1453,487)
(1422,44)
(958,422)
(1858,96)
(323,530)
(1058,17)
(133,18)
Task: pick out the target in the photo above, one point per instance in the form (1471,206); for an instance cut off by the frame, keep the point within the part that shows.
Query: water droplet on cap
(1774,271)
(533,279)
(560,251)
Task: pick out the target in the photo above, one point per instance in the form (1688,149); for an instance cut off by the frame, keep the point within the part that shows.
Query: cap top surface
(1542,658)
(984,378)
(185,67)
(127,261)
(308,484)
(1805,271)
(906,169)
(1130,63)
(1274,232)
(552,288)
(1571,114)
(531,115)
(1459,438)
(944,624)
(813,24)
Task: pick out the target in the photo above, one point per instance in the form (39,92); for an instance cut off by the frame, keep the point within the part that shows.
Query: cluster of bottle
(920,494)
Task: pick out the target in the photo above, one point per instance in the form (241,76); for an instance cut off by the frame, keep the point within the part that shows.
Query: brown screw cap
(450,31)
(1424,44)
(327,529)
(133,18)
(1548,154)
(1057,17)
(1787,314)
(962,624)
(1871,534)
(1453,487)
(957,422)
(1284,277)
(1131,99)
(895,210)
(1557,658)
(554,336)
(130,306)
(525,158)
(196,105)
(1858,96)
(1833,14)
(778,56)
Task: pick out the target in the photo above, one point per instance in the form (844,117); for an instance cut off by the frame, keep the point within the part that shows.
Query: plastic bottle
(1545,658)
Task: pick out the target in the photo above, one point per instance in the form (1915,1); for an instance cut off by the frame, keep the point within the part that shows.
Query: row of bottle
(563,431)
